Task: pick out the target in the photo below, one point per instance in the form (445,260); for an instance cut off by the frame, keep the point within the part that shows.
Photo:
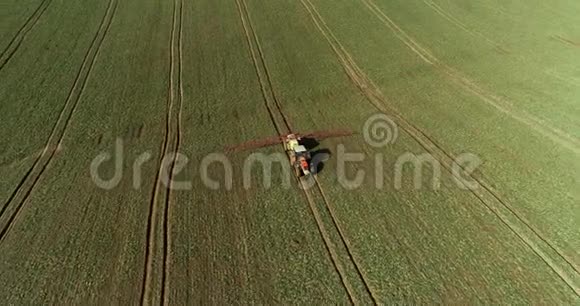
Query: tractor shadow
(317,156)
(309,143)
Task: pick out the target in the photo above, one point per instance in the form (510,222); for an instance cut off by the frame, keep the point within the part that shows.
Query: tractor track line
(443,13)
(153,207)
(344,239)
(62,122)
(178,137)
(376,98)
(566,41)
(246,23)
(501,49)
(267,72)
(556,135)
(256,66)
(379,95)
(351,69)
(479,181)
(18,38)
(449,17)
(567,80)
(328,242)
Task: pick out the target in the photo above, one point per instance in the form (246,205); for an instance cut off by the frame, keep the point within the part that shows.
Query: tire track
(17,40)
(178,137)
(266,89)
(269,97)
(563,266)
(556,135)
(567,80)
(330,248)
(171,142)
(266,72)
(449,17)
(565,40)
(344,240)
(26,186)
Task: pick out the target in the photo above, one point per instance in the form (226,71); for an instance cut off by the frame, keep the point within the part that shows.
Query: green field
(496,81)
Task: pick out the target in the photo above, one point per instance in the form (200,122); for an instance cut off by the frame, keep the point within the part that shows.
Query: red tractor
(298,154)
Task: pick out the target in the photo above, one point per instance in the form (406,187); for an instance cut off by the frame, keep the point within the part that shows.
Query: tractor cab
(300,149)
(291,142)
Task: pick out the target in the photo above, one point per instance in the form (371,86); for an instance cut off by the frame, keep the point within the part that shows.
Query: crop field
(455,179)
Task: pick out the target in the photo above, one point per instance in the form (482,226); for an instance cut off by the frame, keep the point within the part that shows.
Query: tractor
(298,154)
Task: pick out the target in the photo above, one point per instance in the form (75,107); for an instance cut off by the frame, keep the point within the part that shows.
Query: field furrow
(19,196)
(552,255)
(344,240)
(571,142)
(488,181)
(490,216)
(16,41)
(14,16)
(104,135)
(315,152)
(155,279)
(266,84)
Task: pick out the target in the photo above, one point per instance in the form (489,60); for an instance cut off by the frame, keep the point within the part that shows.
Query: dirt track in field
(285,128)
(65,240)
(449,17)
(566,41)
(555,258)
(543,128)
(156,279)
(19,37)
(17,200)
